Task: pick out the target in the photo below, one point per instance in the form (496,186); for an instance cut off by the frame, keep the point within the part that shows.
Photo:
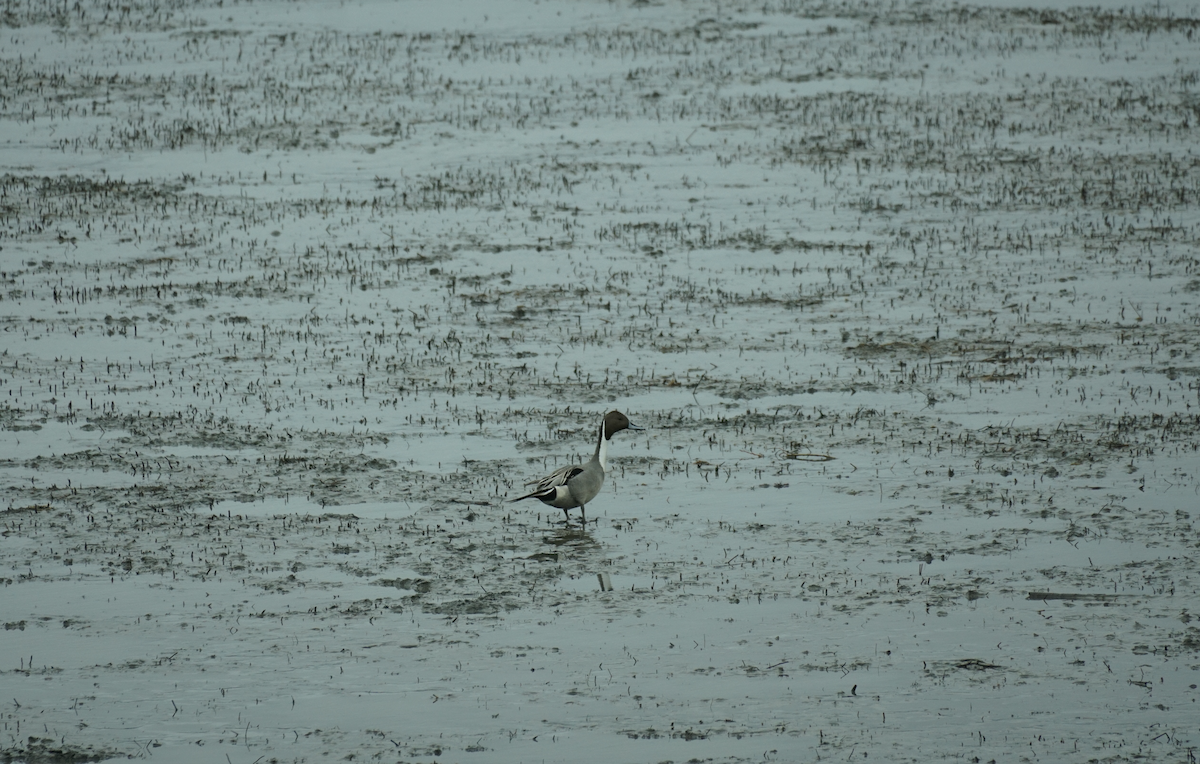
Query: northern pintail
(577,484)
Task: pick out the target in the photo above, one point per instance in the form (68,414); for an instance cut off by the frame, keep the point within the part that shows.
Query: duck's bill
(633,426)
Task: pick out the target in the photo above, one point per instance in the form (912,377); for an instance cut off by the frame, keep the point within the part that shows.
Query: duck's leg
(583,515)
(567,515)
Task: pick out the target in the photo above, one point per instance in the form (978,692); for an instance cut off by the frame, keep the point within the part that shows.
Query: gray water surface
(296,295)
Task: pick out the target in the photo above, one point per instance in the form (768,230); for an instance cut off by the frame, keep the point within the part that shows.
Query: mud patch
(904,296)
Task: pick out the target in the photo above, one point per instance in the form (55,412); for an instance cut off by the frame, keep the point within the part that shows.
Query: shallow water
(295,296)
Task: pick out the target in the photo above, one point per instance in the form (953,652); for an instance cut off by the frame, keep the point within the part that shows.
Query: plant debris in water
(294,298)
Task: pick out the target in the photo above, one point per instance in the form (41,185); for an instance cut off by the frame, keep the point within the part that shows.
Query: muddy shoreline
(295,296)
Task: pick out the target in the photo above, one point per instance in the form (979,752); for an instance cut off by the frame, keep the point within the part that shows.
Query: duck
(576,484)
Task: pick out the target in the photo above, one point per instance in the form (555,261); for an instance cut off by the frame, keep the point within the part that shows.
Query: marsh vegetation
(294,295)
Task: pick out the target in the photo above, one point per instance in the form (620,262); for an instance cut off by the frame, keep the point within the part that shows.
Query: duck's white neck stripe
(602,449)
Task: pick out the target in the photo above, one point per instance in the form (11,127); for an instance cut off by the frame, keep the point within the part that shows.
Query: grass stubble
(906,297)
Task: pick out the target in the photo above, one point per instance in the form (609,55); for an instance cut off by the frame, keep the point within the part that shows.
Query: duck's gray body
(577,484)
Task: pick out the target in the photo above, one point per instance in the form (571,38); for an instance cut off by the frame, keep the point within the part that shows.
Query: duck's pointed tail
(534,495)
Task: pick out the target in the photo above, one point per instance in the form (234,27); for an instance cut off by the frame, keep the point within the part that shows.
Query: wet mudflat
(295,295)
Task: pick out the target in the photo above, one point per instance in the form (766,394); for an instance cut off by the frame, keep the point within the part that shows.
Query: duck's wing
(559,477)
(547,487)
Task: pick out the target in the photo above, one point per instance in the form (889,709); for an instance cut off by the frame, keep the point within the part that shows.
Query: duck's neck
(601,454)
